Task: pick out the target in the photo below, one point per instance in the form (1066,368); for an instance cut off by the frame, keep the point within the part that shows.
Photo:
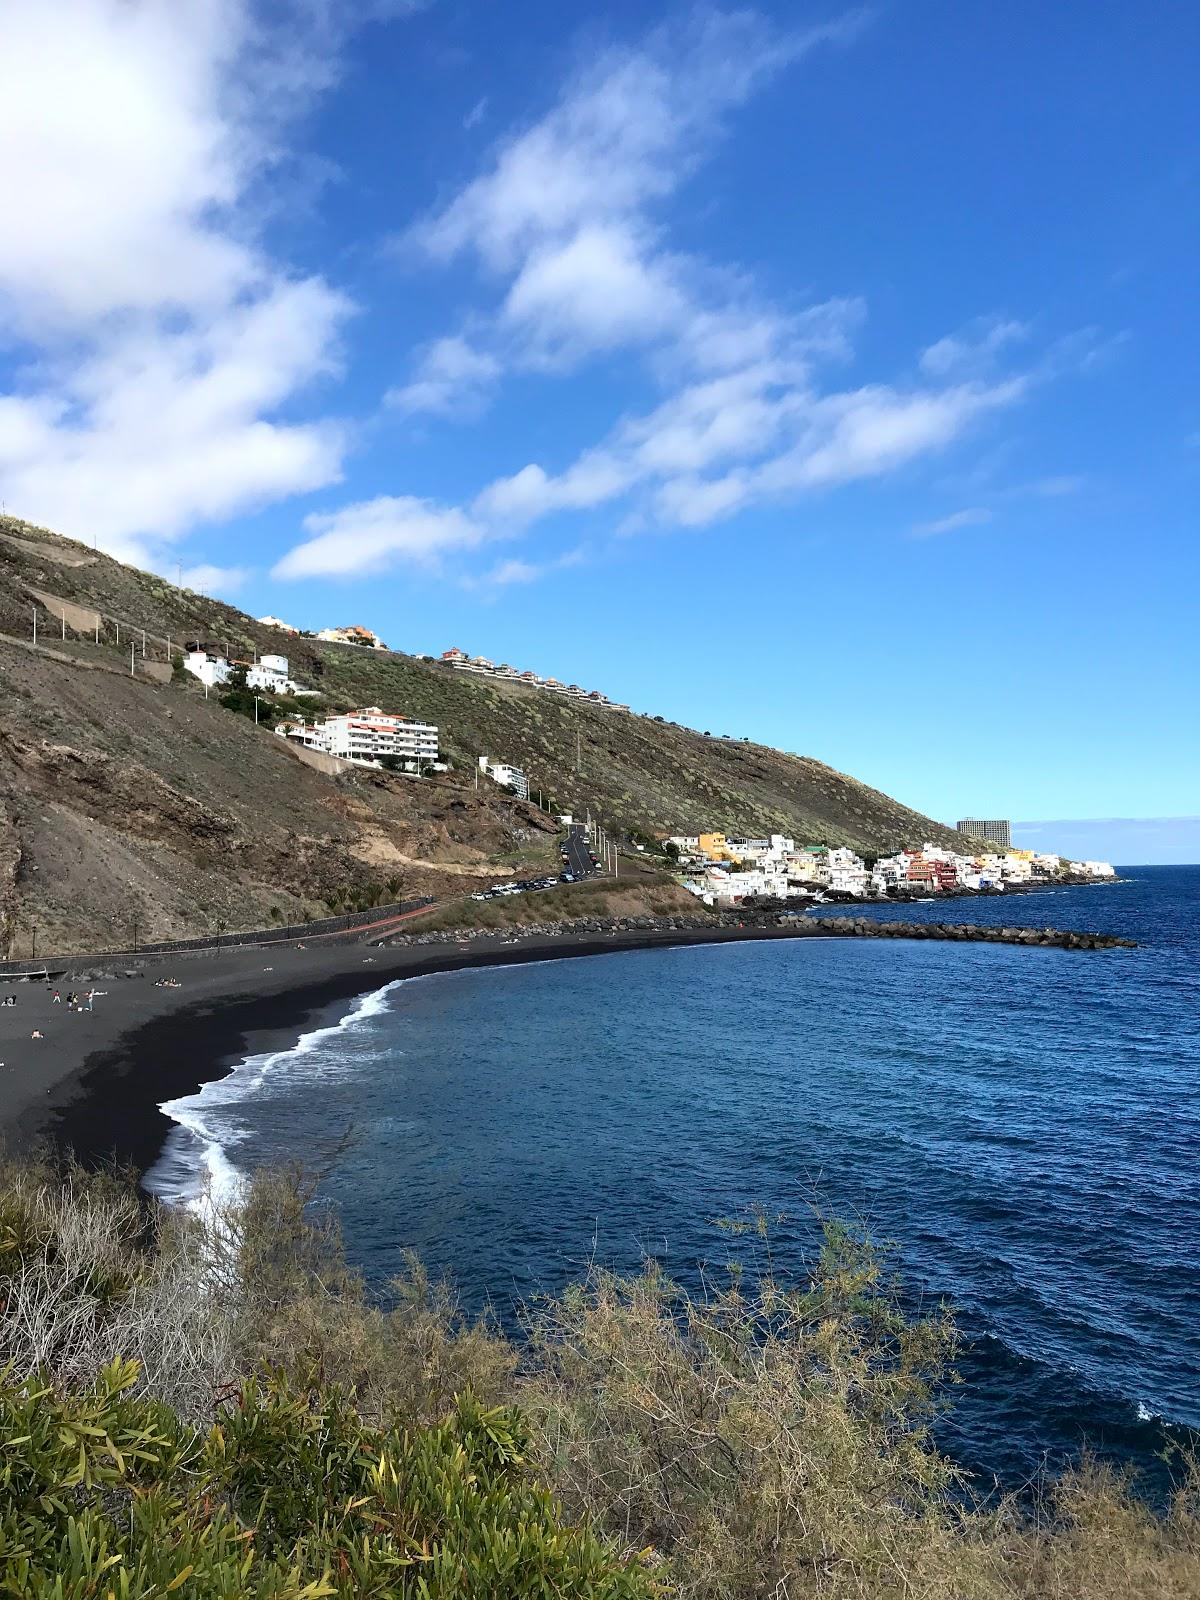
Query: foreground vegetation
(216,1408)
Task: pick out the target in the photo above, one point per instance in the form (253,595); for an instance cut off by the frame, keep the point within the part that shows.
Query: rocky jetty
(750,926)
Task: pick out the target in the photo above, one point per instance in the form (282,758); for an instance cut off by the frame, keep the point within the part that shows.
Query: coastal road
(579,859)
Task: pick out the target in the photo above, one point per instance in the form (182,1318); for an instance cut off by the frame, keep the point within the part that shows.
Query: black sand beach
(94,1082)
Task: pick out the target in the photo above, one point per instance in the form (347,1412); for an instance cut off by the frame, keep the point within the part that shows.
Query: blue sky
(826,376)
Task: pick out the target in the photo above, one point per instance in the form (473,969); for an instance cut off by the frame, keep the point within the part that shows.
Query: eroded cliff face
(129,807)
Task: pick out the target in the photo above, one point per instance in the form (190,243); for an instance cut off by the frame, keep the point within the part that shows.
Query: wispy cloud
(1052,488)
(565,221)
(970,517)
(452,379)
(973,350)
(371,534)
(564,218)
(208,579)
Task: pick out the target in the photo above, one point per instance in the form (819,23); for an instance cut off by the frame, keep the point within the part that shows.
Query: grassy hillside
(120,796)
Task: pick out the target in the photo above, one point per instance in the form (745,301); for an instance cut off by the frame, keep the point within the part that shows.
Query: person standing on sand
(56,1000)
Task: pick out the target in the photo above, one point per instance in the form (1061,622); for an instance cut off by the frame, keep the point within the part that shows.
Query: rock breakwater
(750,925)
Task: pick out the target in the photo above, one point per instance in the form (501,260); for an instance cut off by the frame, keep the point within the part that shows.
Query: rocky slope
(125,797)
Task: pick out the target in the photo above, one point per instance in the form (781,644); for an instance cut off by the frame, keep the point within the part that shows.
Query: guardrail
(277,934)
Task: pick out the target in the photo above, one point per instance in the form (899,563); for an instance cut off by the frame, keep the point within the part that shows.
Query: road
(579,859)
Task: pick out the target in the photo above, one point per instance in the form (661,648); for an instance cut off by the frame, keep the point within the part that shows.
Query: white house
(508,776)
(211,670)
(270,672)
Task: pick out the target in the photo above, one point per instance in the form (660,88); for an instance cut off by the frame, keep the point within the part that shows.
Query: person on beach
(57,999)
(38,1034)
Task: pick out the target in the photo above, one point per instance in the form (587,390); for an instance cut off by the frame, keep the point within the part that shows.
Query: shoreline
(94,1083)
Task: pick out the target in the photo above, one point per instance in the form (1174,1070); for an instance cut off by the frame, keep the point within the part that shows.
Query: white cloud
(969,517)
(974,350)
(565,220)
(564,215)
(452,379)
(368,536)
(513,571)
(207,579)
(152,339)
(783,440)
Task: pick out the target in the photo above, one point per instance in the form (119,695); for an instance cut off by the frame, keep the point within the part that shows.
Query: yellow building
(713,846)
(1021,855)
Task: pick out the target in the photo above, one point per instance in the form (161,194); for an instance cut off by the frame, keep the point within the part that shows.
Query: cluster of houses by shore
(462,662)
(723,869)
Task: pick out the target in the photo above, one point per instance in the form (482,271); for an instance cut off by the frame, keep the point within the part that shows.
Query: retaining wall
(280,933)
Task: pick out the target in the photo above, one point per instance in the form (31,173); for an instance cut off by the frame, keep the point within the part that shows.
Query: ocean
(1023,1125)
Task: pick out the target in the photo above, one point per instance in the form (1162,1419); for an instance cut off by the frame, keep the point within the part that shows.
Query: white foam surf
(196,1168)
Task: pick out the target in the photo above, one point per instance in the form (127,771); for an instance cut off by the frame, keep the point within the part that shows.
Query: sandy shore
(94,1081)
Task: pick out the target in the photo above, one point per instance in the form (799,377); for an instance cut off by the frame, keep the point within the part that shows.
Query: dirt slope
(123,797)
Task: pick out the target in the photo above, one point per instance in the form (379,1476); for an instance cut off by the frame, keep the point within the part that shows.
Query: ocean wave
(195,1167)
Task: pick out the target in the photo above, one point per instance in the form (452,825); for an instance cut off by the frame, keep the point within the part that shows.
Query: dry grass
(758,1441)
(597,897)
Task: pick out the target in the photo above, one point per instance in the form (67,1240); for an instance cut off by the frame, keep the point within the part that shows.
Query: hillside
(127,797)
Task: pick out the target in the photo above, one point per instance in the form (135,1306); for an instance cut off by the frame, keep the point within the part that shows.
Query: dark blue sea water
(1023,1123)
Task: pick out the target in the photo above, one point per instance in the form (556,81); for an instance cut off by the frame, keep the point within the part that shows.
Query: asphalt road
(579,860)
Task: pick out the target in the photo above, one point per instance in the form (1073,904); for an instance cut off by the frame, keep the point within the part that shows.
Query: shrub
(213,1405)
(290,1494)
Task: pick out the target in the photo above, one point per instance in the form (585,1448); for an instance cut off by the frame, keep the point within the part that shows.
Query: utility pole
(117,626)
(131,654)
(143,644)
(64,626)
(35,624)
(256,725)
(97,627)
(578,750)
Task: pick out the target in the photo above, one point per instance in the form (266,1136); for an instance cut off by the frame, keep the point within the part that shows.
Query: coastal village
(725,870)
(722,870)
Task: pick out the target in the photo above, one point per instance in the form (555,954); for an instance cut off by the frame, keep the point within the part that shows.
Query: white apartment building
(845,872)
(508,776)
(367,736)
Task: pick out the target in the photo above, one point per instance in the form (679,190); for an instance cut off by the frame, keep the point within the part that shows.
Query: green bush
(289,1494)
